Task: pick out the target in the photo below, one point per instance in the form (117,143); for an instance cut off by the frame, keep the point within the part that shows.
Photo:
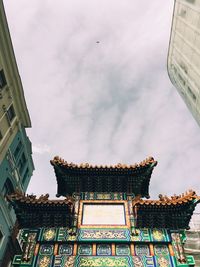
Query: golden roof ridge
(59,161)
(165,200)
(43,199)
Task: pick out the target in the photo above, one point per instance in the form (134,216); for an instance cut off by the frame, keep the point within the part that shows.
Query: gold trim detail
(55,251)
(94,249)
(36,249)
(132,248)
(171,251)
(75,249)
(151,249)
(113,249)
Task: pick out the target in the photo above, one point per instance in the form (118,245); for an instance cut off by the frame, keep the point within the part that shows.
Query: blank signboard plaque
(103,214)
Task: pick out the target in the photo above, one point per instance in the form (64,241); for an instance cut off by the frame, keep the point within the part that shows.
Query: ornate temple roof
(168,212)
(115,178)
(61,162)
(41,212)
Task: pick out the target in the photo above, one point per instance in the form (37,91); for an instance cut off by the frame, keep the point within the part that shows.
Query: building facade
(16,165)
(104,220)
(184,53)
(192,245)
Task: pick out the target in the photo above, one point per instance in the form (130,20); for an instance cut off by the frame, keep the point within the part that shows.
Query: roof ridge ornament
(188,196)
(61,162)
(42,199)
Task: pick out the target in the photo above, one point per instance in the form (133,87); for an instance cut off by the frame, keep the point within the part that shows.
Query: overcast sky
(96,86)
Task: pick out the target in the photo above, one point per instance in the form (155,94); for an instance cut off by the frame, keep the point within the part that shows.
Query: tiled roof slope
(92,178)
(41,212)
(168,212)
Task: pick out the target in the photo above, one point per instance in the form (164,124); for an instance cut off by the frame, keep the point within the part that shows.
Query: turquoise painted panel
(143,261)
(190,261)
(164,260)
(85,249)
(18,262)
(96,261)
(49,234)
(64,261)
(122,250)
(140,235)
(142,249)
(103,196)
(114,261)
(62,234)
(65,249)
(104,235)
(46,249)
(161,250)
(158,235)
(44,260)
(103,250)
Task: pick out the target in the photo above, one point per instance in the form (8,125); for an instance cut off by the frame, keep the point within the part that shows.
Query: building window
(7,190)
(1,135)
(191,93)
(17,149)
(184,67)
(181,79)
(25,176)
(1,237)
(11,113)
(2,79)
(21,163)
(182,12)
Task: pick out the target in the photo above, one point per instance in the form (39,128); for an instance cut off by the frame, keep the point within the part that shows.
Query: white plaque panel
(103,214)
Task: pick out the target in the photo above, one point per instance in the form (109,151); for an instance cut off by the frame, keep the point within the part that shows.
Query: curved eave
(41,212)
(85,177)
(171,213)
(189,197)
(18,198)
(59,162)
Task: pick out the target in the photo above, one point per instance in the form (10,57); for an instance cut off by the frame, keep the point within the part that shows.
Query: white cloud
(40,148)
(103,103)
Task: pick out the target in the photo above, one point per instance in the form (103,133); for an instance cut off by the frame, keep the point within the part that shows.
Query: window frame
(11,113)
(3,81)
(1,237)
(1,135)
(8,188)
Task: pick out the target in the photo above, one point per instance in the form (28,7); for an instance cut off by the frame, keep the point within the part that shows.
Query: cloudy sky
(96,85)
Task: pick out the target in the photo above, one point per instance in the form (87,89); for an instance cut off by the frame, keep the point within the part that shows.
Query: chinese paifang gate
(106,219)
